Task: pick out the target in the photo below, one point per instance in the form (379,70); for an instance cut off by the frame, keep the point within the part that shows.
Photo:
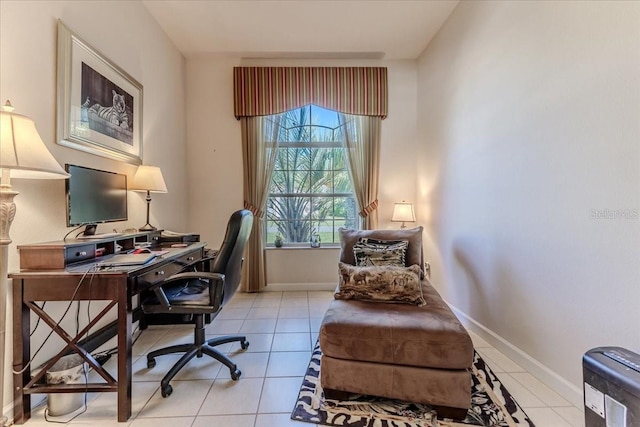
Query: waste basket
(69,369)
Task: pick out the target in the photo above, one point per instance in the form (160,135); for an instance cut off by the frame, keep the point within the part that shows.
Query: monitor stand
(90,229)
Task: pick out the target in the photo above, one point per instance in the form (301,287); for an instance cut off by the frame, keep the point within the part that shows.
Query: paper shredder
(611,387)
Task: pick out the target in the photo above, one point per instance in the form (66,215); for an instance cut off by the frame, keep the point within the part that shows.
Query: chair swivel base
(196,349)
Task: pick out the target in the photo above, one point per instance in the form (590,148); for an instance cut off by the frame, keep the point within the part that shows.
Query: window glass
(311,190)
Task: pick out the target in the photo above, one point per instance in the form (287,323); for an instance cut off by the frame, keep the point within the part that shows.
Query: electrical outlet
(427,270)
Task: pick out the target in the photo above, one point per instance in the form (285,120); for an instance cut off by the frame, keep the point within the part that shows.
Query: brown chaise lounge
(400,351)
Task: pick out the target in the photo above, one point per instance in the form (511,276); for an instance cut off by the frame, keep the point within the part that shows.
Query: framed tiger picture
(99,104)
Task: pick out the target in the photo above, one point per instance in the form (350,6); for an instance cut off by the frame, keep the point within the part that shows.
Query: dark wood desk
(84,281)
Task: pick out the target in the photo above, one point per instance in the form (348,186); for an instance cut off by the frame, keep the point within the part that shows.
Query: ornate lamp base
(7,213)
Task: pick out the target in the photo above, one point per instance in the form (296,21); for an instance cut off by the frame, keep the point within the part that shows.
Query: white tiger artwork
(116,114)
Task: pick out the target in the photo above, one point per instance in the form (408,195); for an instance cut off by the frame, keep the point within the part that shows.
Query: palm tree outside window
(311,191)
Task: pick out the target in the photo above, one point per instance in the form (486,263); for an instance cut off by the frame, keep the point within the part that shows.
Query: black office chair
(201,293)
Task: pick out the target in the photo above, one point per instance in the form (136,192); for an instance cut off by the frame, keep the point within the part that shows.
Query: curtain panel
(261,91)
(362,146)
(259,149)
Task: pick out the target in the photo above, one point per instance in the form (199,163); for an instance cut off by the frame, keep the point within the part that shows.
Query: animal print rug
(492,405)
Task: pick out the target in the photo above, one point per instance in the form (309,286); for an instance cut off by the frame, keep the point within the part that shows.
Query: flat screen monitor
(95,196)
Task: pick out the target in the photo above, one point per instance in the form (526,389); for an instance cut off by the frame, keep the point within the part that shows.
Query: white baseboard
(550,378)
(321,286)
(37,400)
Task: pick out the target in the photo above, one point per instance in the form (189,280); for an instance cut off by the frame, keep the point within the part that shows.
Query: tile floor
(281,328)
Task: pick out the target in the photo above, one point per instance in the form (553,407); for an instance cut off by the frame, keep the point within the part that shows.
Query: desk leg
(21,352)
(125,317)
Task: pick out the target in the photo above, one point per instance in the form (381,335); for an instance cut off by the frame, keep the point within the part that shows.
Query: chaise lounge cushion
(397,334)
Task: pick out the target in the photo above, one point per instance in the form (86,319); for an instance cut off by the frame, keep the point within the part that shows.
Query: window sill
(304,248)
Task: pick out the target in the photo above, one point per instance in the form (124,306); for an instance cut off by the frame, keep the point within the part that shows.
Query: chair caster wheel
(151,363)
(166,391)
(235,375)
(244,344)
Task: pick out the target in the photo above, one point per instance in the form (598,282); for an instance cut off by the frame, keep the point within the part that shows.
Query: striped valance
(261,91)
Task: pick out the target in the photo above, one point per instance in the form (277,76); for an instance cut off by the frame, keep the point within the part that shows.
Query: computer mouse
(142,251)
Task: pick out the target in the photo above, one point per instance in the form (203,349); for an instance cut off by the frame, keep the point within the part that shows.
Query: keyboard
(124,260)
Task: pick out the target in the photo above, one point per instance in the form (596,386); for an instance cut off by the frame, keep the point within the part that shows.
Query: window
(310,191)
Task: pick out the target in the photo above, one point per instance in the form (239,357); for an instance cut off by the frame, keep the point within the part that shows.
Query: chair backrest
(228,261)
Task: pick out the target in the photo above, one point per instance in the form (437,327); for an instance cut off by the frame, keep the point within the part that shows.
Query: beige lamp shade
(22,151)
(403,212)
(148,178)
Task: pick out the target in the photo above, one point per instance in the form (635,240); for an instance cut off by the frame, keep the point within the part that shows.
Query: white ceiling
(392,29)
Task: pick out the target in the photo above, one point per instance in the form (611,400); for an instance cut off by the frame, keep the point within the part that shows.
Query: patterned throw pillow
(370,252)
(414,254)
(381,284)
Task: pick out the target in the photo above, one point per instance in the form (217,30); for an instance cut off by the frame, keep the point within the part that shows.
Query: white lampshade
(403,212)
(22,151)
(148,178)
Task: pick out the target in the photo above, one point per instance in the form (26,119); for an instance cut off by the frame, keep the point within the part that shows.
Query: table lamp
(403,212)
(23,154)
(149,179)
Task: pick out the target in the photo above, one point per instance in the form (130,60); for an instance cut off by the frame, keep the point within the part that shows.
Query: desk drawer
(162,272)
(80,253)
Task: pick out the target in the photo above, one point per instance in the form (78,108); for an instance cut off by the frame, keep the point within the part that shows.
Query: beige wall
(130,37)
(529,128)
(215,157)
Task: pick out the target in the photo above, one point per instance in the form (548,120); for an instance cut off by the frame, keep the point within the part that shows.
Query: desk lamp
(403,212)
(23,154)
(149,179)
